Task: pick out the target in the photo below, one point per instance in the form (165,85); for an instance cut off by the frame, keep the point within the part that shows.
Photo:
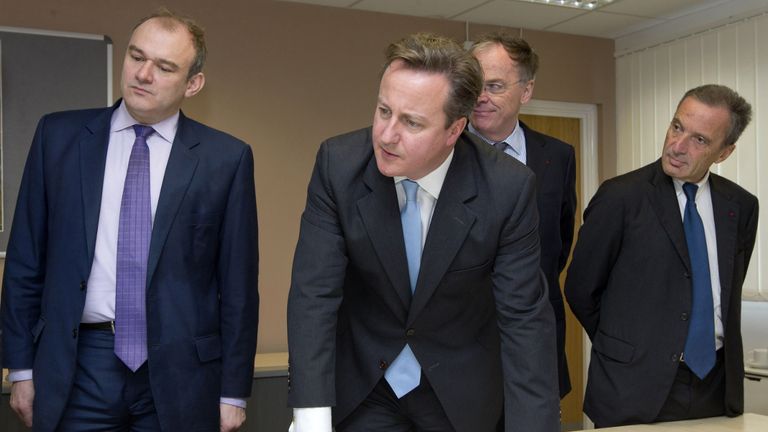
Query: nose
(678,144)
(144,73)
(389,133)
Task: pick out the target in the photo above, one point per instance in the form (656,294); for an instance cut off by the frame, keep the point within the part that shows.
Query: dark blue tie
(134,233)
(700,344)
(404,374)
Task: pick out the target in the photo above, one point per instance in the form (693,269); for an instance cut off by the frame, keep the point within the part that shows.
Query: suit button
(684,316)
(675,357)
(382,364)
(74,333)
(687,275)
(410,332)
(83,285)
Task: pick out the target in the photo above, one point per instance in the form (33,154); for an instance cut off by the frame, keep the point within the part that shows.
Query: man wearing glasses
(509,67)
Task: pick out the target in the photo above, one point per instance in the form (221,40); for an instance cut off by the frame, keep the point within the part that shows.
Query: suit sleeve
(237,273)
(24,274)
(526,322)
(567,210)
(594,256)
(317,281)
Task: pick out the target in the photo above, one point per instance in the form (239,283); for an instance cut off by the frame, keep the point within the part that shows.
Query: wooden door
(568,130)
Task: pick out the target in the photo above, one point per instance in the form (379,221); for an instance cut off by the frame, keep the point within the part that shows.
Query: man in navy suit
(197,313)
(662,304)
(509,67)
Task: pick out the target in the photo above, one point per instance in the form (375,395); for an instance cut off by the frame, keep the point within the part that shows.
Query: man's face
(154,81)
(695,140)
(409,134)
(495,115)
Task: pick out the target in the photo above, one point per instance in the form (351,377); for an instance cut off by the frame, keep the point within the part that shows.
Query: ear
(527,92)
(194,84)
(455,129)
(725,153)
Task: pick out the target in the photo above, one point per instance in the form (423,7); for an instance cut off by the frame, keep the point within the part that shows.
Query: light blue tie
(404,374)
(700,344)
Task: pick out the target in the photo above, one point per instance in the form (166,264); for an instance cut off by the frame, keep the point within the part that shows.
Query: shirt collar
(432,183)
(515,140)
(703,184)
(166,129)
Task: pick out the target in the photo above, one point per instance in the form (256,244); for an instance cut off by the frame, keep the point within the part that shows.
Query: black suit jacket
(554,164)
(479,323)
(629,285)
(202,298)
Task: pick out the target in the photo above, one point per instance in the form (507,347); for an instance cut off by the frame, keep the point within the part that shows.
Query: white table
(746,423)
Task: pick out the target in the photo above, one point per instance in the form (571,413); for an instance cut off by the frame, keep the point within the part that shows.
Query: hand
(232,417)
(22,396)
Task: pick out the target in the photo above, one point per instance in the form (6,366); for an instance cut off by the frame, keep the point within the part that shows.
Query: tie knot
(410,187)
(690,191)
(501,145)
(142,131)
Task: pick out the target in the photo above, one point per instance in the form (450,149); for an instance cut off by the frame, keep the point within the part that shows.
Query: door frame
(587,115)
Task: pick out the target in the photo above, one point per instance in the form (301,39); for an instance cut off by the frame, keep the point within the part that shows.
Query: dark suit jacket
(629,285)
(554,164)
(479,323)
(202,299)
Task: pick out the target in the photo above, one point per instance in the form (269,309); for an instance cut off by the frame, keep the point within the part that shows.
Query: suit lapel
(726,212)
(178,174)
(380,214)
(537,156)
(664,201)
(451,222)
(93,155)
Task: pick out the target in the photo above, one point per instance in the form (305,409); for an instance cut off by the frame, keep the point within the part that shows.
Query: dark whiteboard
(44,72)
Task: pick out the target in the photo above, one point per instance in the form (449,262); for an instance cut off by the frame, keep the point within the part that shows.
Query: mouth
(140,91)
(675,162)
(387,154)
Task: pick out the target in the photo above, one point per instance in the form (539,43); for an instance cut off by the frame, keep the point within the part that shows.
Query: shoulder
(731,190)
(74,118)
(554,145)
(631,185)
(496,168)
(222,141)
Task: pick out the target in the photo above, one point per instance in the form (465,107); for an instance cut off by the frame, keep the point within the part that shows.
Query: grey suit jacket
(629,285)
(479,322)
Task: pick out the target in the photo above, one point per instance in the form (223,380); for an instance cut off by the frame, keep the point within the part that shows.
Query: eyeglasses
(497,88)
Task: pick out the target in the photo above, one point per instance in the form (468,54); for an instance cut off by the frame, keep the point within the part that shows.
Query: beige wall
(284,76)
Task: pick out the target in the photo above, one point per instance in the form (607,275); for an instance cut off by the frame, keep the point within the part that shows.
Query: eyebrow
(160,61)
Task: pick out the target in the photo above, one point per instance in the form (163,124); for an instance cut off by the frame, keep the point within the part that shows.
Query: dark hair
(518,49)
(170,20)
(716,95)
(432,53)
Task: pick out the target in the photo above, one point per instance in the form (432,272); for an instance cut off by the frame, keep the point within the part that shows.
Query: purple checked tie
(132,252)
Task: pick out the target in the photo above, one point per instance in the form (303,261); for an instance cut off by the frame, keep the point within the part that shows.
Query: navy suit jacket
(554,164)
(629,285)
(479,321)
(202,298)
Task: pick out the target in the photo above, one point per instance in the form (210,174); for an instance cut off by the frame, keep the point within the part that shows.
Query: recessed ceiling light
(576,4)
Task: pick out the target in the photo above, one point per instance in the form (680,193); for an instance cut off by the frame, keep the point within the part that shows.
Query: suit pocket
(613,348)
(37,329)
(208,348)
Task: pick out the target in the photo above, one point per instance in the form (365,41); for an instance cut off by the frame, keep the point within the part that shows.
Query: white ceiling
(633,20)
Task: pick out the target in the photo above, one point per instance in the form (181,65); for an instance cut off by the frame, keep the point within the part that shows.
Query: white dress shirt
(319,419)
(704,206)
